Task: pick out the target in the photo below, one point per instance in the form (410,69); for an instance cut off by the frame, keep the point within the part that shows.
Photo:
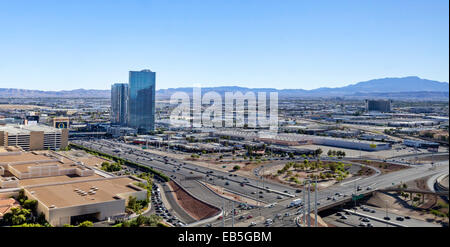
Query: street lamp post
(304,203)
(315,203)
(386,213)
(309,203)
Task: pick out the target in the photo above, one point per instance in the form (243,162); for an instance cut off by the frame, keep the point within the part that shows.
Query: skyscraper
(141,110)
(119,104)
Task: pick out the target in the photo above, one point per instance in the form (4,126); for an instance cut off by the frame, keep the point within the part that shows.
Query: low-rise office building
(33,137)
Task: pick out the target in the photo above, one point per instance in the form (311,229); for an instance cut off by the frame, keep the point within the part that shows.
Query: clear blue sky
(56,45)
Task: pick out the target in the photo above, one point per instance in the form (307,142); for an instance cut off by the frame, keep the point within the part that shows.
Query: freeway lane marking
(350,181)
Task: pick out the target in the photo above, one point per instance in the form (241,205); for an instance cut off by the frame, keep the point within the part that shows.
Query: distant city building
(119,104)
(117,131)
(31,120)
(141,110)
(33,137)
(421,144)
(61,122)
(378,105)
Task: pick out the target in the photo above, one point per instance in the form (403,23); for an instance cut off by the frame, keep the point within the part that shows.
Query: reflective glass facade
(141,110)
(119,104)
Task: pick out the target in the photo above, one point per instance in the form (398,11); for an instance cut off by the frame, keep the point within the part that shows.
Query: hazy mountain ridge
(412,87)
(76,93)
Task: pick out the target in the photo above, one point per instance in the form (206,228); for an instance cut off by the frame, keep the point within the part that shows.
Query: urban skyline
(246,116)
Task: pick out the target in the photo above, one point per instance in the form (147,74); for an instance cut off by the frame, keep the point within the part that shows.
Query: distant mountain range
(76,93)
(411,87)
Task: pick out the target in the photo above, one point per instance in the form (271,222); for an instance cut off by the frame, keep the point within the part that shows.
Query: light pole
(386,213)
(309,203)
(262,175)
(315,203)
(232,212)
(304,202)
(223,212)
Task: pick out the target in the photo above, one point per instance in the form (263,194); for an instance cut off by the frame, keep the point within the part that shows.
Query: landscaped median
(124,161)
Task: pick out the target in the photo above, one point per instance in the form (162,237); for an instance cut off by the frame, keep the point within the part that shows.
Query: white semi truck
(295,203)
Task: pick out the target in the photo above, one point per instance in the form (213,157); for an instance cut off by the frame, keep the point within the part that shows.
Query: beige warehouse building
(67,191)
(100,199)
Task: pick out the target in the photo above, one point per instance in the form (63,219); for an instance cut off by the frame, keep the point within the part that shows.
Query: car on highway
(365,220)
(227,183)
(298,191)
(344,217)
(287,214)
(363,224)
(279,197)
(399,218)
(249,216)
(252,224)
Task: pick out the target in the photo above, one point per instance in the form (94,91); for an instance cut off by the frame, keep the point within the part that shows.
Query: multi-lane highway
(181,171)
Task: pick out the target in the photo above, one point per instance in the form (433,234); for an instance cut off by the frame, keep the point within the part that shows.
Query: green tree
(86,223)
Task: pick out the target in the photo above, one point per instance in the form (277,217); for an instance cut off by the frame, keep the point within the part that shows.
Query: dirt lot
(382,166)
(366,171)
(300,174)
(196,208)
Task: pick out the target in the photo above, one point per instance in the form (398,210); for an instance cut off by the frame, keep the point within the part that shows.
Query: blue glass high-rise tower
(119,104)
(141,111)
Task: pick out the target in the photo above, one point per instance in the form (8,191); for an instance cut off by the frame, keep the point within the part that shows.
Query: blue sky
(58,45)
